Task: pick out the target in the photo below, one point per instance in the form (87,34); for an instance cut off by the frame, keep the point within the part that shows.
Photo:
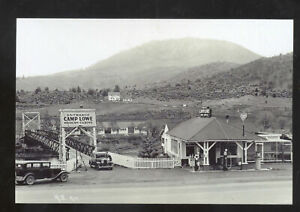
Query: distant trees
(91,91)
(104,92)
(47,89)
(117,88)
(37,90)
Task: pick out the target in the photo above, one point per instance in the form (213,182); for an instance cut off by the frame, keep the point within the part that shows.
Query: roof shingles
(201,129)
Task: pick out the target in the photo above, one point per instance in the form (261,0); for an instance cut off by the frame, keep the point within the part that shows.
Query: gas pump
(258,161)
(197,163)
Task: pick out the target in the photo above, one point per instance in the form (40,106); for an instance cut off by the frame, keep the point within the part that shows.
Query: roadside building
(114,96)
(127,100)
(209,137)
(124,128)
(277,147)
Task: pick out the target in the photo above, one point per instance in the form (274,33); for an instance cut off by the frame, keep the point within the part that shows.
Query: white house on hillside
(114,96)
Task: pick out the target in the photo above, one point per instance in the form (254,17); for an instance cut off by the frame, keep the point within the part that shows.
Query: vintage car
(30,171)
(101,160)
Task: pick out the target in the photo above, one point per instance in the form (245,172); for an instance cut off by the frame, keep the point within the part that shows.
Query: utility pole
(243,118)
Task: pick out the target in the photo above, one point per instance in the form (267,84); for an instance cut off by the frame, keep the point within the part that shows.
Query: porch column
(206,154)
(244,149)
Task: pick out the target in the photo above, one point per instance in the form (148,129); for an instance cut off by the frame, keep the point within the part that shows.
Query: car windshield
(101,155)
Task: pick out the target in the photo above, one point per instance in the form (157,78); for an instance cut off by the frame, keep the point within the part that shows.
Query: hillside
(266,76)
(143,64)
(203,71)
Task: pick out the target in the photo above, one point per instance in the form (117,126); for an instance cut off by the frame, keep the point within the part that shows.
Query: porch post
(245,153)
(206,154)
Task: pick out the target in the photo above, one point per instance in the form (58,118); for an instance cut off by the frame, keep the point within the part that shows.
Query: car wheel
(30,180)
(64,177)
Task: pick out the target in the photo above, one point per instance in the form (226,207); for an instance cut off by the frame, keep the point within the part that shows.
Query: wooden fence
(142,163)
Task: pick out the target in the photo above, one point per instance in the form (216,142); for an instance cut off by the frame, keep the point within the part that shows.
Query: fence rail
(142,163)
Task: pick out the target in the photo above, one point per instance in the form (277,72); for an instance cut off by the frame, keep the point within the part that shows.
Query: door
(259,148)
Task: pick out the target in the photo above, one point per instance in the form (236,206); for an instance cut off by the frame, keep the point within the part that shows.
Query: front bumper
(19,178)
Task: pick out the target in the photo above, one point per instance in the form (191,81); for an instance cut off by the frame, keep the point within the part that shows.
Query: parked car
(30,171)
(101,160)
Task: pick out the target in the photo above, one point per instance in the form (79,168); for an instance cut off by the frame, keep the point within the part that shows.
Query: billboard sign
(243,116)
(78,117)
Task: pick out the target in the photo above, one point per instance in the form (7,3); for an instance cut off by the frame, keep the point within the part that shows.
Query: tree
(78,89)
(104,92)
(37,90)
(91,91)
(117,88)
(47,89)
(74,90)
(149,148)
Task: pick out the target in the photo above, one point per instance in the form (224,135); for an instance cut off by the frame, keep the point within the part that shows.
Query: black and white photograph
(154,111)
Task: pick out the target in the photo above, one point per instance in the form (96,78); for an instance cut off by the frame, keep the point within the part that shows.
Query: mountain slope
(203,71)
(271,76)
(150,62)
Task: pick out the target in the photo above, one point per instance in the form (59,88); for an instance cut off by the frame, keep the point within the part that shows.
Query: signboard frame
(78,117)
(76,122)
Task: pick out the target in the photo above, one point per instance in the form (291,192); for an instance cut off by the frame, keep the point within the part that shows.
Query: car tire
(63,177)
(30,180)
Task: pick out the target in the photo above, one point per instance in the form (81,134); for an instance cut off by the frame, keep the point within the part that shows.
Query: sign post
(243,118)
(76,119)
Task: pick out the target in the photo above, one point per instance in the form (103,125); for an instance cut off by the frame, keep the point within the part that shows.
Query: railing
(142,163)
(154,163)
(51,139)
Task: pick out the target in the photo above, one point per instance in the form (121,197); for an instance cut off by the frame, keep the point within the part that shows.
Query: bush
(37,90)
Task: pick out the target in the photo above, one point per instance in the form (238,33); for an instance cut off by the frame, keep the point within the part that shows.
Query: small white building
(114,96)
(122,128)
(127,100)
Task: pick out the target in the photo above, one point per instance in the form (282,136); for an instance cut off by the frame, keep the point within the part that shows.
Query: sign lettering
(80,117)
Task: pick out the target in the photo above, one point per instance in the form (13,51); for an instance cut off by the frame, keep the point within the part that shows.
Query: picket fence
(143,163)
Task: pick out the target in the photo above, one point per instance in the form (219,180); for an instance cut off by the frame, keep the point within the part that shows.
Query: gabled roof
(201,129)
(111,93)
(120,124)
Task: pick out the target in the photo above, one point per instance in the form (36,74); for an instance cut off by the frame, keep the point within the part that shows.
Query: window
(36,165)
(28,165)
(174,146)
(46,165)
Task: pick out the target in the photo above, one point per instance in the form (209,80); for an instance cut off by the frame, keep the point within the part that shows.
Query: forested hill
(266,76)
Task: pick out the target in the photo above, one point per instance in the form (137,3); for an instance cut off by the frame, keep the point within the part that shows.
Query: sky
(47,46)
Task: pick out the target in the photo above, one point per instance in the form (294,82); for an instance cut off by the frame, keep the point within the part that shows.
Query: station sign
(78,117)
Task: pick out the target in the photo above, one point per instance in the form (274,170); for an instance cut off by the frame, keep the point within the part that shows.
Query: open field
(177,185)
